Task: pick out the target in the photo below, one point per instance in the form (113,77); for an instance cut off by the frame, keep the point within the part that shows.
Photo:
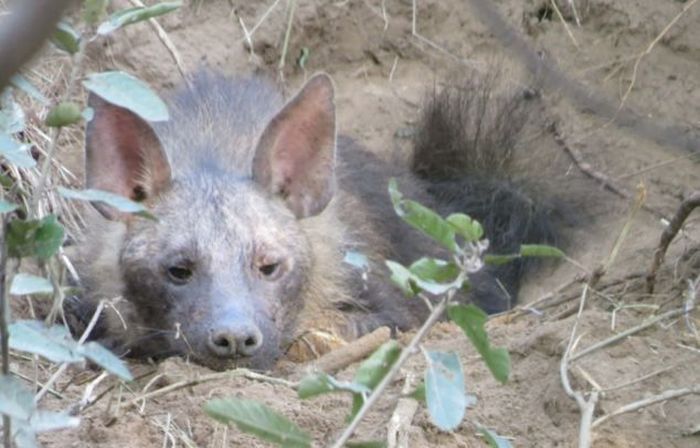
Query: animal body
(258,203)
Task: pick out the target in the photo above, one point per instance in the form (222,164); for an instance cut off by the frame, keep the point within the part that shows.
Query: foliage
(29,233)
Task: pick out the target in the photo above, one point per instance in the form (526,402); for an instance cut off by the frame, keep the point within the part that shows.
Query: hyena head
(219,276)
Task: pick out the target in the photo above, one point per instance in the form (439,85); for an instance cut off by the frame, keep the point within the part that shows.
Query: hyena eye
(179,274)
(269,270)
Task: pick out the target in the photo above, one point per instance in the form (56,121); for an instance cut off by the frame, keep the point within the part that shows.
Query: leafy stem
(435,315)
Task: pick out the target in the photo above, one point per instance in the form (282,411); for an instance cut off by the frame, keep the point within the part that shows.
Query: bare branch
(24,30)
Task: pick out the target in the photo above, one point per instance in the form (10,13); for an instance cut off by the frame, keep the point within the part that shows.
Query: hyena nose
(228,343)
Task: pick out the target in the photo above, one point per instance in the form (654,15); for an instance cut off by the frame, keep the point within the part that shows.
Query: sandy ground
(381,70)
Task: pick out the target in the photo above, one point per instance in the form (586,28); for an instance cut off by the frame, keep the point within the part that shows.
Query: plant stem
(4,323)
(406,353)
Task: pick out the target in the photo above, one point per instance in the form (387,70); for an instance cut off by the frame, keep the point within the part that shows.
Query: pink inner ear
(123,153)
(296,153)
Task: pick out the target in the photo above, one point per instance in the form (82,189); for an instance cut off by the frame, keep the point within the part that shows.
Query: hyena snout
(235,340)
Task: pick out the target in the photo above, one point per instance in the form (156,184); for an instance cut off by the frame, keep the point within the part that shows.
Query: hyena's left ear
(295,157)
(123,155)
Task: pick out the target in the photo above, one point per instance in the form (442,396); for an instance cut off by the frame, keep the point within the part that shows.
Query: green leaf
(6,207)
(426,274)
(444,390)
(255,418)
(44,421)
(423,218)
(540,250)
(373,369)
(53,343)
(27,87)
(402,278)
(63,114)
(357,260)
(34,238)
(493,439)
(30,284)
(66,38)
(472,320)
(11,114)
(418,393)
(321,383)
(94,11)
(468,228)
(134,15)
(15,400)
(126,91)
(15,153)
(25,437)
(105,359)
(113,200)
(435,270)
(497,260)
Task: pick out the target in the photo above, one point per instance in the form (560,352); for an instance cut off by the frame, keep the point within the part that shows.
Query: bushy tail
(465,148)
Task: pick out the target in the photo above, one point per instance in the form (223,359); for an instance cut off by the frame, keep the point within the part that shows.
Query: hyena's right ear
(123,155)
(295,157)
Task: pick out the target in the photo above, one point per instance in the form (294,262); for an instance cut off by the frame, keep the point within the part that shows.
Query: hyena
(258,201)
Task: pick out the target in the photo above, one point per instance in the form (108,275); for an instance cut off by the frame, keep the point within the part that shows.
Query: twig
(566,25)
(356,350)
(207,378)
(400,421)
(27,26)
(587,169)
(650,47)
(64,366)
(587,407)
(169,45)
(637,405)
(640,379)
(287,34)
(618,337)
(670,232)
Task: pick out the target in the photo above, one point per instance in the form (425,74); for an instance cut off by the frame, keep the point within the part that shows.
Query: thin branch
(587,407)
(169,45)
(354,351)
(207,378)
(669,233)
(28,24)
(637,405)
(636,329)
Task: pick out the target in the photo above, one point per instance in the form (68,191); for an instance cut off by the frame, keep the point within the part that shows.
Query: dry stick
(64,366)
(354,351)
(163,36)
(207,378)
(287,34)
(400,421)
(670,232)
(566,25)
(640,379)
(27,26)
(650,47)
(588,170)
(636,329)
(587,407)
(637,405)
